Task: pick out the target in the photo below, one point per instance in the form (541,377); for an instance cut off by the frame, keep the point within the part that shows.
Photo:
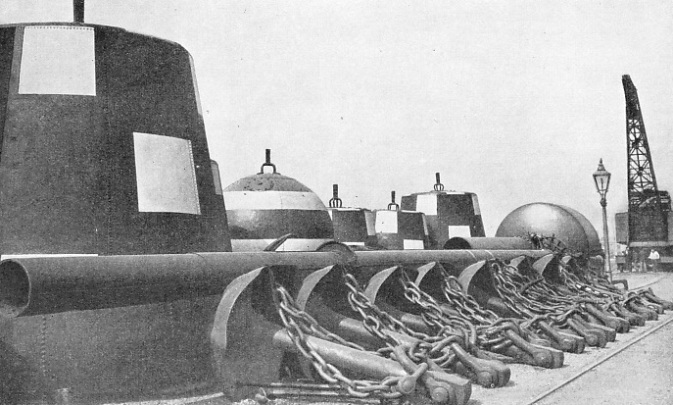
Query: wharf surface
(634,369)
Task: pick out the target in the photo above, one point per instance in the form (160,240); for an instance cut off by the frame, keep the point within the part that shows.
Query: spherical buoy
(266,206)
(448,213)
(545,220)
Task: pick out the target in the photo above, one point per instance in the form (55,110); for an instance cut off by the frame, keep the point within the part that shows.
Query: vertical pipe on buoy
(78,10)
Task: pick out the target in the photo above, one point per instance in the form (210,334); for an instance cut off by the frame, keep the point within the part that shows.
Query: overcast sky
(515,100)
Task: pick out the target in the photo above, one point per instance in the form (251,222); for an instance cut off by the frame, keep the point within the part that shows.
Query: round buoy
(550,221)
(266,206)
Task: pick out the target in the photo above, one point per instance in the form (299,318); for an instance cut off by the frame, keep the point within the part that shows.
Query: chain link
(373,317)
(533,307)
(443,324)
(464,303)
(299,324)
(491,327)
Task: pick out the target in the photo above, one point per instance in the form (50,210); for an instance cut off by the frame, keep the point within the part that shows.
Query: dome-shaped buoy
(352,226)
(266,206)
(448,213)
(400,229)
(553,223)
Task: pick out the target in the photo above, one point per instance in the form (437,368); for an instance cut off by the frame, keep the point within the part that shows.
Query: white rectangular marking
(427,204)
(165,174)
(58,60)
(462,231)
(413,244)
(272,200)
(369,220)
(386,221)
(475,204)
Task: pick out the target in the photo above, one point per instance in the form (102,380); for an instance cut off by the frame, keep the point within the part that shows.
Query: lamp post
(602,180)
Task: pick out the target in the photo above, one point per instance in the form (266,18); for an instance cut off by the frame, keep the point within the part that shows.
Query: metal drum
(266,206)
(352,226)
(398,229)
(448,213)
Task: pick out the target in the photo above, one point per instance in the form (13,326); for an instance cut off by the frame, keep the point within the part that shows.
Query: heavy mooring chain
(507,293)
(530,310)
(376,321)
(570,280)
(458,328)
(507,285)
(298,324)
(491,327)
(553,306)
(381,324)
(584,286)
(306,322)
(535,287)
(444,324)
(464,303)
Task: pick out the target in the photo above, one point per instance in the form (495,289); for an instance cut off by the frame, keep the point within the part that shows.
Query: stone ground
(610,382)
(635,369)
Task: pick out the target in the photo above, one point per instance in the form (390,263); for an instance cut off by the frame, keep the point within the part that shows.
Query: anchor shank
(343,357)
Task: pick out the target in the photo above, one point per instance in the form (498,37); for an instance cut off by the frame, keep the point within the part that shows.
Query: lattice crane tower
(648,206)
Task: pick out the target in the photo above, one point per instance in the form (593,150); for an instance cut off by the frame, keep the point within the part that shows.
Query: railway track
(640,372)
(617,374)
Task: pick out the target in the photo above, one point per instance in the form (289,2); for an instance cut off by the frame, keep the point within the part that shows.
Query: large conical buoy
(104,152)
(103,145)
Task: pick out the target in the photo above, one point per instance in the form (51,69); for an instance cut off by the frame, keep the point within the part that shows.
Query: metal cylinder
(364,363)
(31,286)
(401,230)
(78,11)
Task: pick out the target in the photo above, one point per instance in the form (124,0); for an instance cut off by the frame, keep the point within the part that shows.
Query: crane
(645,225)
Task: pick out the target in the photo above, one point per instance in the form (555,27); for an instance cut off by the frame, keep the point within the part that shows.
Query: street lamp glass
(602,179)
